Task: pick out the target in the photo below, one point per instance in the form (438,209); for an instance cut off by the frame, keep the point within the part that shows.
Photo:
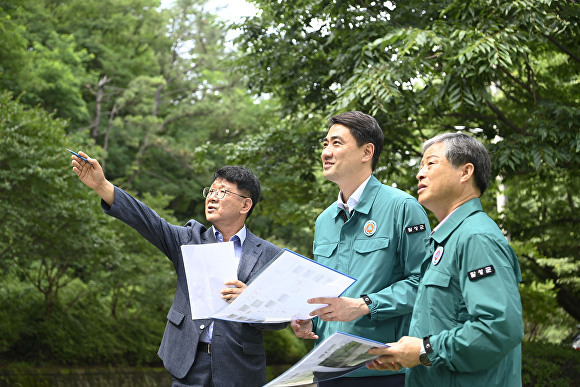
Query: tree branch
(516,80)
(509,95)
(180,116)
(505,120)
(565,296)
(561,47)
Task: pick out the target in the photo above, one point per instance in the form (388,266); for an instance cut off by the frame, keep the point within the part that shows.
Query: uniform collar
(353,200)
(456,218)
(366,199)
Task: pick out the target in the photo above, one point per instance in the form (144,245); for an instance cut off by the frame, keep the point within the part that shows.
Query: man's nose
(212,196)
(420,174)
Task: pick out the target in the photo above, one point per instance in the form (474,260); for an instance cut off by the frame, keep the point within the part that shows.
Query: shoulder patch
(481,272)
(414,229)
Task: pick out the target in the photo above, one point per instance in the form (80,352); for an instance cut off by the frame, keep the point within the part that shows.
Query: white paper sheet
(338,355)
(207,267)
(279,293)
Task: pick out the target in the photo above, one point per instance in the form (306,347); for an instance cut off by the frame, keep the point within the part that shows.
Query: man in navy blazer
(201,352)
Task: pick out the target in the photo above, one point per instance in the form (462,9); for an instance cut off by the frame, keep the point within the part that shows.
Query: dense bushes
(550,365)
(81,336)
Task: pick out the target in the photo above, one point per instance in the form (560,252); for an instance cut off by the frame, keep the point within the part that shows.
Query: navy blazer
(237,351)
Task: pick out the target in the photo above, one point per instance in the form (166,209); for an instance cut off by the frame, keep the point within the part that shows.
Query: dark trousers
(199,375)
(397,380)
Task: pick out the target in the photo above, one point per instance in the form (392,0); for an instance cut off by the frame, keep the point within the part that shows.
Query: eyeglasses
(220,193)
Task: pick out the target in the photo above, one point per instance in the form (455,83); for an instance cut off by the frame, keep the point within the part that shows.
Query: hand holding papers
(207,267)
(336,356)
(279,293)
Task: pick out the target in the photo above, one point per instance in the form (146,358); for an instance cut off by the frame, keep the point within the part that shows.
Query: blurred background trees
(162,99)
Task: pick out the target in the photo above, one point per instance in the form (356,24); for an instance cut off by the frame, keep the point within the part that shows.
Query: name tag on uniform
(480,273)
(414,229)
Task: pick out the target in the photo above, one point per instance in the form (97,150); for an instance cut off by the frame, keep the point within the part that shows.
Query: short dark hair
(460,149)
(245,180)
(364,129)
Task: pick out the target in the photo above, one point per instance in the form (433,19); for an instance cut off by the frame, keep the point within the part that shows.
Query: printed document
(336,356)
(280,291)
(207,267)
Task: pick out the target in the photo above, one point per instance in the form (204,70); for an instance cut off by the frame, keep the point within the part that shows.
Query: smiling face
(439,185)
(229,211)
(343,161)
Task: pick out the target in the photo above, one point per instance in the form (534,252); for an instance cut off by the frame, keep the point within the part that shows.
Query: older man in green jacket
(467,326)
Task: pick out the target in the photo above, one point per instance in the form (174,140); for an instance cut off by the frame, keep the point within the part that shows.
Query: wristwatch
(425,349)
(366,299)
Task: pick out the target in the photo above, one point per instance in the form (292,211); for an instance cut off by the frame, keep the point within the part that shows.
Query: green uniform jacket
(385,260)
(468,300)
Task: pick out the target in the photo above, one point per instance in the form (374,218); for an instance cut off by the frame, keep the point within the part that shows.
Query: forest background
(163,99)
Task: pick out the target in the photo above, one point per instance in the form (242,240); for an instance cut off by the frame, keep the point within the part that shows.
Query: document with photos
(280,291)
(207,267)
(338,355)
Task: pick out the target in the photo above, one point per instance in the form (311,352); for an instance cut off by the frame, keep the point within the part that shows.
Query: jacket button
(201,326)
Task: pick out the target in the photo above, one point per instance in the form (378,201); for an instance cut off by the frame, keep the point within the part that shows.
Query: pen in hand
(79,156)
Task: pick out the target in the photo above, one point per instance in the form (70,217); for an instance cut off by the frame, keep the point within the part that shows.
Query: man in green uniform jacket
(374,233)
(467,322)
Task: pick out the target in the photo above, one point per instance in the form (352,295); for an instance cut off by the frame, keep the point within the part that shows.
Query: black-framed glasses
(220,193)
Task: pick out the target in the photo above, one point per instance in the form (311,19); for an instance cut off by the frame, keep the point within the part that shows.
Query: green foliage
(537,299)
(508,68)
(39,200)
(542,217)
(86,376)
(14,316)
(549,365)
(88,290)
(77,332)
(50,69)
(283,347)
(59,72)
(13,48)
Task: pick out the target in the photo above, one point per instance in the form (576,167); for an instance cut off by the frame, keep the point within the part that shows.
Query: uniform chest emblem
(437,255)
(370,228)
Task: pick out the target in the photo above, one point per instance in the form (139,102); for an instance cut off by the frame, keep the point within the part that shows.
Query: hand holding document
(336,356)
(279,293)
(207,267)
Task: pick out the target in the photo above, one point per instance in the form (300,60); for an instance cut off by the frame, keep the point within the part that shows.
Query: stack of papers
(277,294)
(338,355)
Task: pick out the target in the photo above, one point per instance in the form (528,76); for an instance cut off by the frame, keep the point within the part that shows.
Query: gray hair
(461,149)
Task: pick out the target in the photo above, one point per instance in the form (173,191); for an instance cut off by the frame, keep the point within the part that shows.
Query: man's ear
(247,206)
(369,151)
(467,172)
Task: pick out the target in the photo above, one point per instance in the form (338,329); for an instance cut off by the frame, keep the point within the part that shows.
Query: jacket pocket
(443,300)
(325,250)
(369,245)
(436,278)
(175,316)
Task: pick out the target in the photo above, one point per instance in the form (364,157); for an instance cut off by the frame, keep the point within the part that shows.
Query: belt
(204,347)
